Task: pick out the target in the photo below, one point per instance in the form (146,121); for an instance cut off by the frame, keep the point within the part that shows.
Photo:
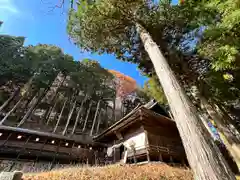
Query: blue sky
(35,20)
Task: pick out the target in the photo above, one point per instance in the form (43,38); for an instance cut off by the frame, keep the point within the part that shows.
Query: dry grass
(116,172)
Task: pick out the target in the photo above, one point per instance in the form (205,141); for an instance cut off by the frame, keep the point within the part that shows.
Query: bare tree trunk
(228,136)
(114,110)
(60,116)
(95,117)
(51,111)
(78,115)
(99,121)
(69,118)
(11,111)
(54,100)
(204,157)
(18,116)
(34,103)
(16,92)
(86,118)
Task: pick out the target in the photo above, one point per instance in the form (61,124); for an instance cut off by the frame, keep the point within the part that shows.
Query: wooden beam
(95,117)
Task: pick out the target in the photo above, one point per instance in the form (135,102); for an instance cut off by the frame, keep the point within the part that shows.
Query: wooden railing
(75,151)
(178,150)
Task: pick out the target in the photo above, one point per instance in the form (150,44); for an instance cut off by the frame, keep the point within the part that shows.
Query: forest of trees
(191,49)
(44,89)
(42,84)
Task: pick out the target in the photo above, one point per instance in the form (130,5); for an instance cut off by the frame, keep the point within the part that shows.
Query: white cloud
(7,6)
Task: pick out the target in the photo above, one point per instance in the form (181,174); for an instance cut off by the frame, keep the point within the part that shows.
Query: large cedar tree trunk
(227,131)
(204,157)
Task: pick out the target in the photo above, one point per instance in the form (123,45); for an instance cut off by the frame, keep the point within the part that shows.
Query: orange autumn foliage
(125,84)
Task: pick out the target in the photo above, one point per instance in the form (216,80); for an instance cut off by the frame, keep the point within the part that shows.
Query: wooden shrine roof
(134,116)
(41,134)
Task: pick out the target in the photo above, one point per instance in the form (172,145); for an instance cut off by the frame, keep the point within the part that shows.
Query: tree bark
(54,100)
(34,103)
(229,138)
(51,111)
(86,118)
(78,115)
(204,157)
(114,110)
(60,116)
(69,118)
(95,117)
(16,92)
(11,111)
(99,121)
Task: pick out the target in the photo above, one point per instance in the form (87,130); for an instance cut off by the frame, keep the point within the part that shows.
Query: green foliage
(153,89)
(43,67)
(221,40)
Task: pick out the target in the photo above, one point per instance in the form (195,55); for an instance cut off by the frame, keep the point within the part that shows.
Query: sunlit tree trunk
(6,103)
(99,121)
(227,131)
(204,157)
(86,118)
(51,110)
(54,100)
(34,104)
(69,117)
(60,116)
(78,115)
(95,118)
(11,111)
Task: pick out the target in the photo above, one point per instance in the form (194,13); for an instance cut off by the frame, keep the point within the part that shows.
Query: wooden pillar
(183,162)
(60,116)
(54,158)
(114,155)
(95,158)
(40,152)
(134,155)
(95,117)
(21,151)
(86,118)
(148,156)
(160,157)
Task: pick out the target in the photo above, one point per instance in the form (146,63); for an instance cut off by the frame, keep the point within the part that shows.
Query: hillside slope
(116,172)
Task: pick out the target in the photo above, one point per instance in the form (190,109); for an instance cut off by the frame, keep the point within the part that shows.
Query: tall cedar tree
(118,27)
